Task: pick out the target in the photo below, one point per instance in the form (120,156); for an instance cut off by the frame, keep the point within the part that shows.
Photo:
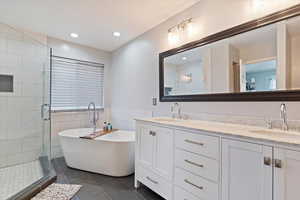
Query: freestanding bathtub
(111,154)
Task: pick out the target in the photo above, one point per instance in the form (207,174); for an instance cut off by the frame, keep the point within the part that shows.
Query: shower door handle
(45,108)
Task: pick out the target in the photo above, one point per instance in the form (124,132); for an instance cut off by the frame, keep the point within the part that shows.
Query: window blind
(76,83)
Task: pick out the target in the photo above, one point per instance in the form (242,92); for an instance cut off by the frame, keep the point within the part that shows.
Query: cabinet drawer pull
(194,142)
(267,161)
(278,163)
(193,163)
(192,184)
(150,179)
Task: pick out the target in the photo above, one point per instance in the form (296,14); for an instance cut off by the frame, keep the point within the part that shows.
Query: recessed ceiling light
(184,58)
(74,35)
(116,34)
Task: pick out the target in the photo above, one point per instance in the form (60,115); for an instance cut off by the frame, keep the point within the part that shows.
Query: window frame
(79,108)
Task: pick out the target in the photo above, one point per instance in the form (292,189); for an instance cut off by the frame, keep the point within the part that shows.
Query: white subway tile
(31,156)
(2,44)
(14,159)
(11,147)
(30,144)
(16,47)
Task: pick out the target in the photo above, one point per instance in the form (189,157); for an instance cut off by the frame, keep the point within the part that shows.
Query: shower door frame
(30,191)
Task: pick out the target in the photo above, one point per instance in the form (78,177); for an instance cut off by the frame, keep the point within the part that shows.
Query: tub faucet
(92,109)
(283,116)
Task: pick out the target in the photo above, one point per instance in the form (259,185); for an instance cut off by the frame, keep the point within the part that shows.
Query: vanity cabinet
(188,164)
(286,174)
(253,171)
(246,171)
(154,158)
(155,146)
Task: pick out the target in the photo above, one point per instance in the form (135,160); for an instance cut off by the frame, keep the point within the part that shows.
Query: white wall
(67,120)
(134,73)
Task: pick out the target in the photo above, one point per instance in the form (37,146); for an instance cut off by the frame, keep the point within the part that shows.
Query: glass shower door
(24,119)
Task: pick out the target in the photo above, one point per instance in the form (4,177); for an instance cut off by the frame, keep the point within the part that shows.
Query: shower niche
(6,83)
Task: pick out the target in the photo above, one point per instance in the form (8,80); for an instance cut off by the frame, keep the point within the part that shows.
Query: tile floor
(15,178)
(100,187)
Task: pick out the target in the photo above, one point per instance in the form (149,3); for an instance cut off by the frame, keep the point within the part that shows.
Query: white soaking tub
(111,154)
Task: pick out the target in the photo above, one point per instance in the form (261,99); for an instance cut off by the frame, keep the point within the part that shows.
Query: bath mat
(58,192)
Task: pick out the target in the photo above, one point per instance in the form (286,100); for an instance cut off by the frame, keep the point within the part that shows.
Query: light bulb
(259,4)
(191,29)
(173,37)
(74,35)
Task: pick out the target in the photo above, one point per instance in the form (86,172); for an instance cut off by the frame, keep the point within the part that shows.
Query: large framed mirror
(255,61)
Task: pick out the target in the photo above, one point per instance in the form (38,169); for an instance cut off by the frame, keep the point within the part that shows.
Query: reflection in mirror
(261,76)
(293,49)
(184,73)
(264,59)
(256,55)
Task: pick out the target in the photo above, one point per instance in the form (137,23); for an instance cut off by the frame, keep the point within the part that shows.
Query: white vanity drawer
(197,164)
(180,194)
(202,188)
(196,143)
(155,182)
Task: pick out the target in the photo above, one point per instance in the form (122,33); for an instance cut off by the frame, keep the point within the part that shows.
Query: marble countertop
(243,131)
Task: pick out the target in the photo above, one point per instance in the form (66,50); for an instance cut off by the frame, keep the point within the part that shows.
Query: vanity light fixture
(175,31)
(116,34)
(187,78)
(74,35)
(173,36)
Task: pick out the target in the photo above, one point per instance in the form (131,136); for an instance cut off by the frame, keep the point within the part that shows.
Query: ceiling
(93,20)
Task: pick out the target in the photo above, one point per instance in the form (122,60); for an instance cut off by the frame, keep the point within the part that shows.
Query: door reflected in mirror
(261,76)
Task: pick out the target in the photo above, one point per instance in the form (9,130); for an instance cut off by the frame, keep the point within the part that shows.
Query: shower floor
(15,178)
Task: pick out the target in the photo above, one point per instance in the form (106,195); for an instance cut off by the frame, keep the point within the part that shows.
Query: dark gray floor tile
(100,187)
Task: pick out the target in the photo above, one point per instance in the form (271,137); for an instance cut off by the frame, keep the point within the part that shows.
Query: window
(76,83)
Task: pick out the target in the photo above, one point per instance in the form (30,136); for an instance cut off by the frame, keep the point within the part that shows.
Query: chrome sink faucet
(176,111)
(92,109)
(283,116)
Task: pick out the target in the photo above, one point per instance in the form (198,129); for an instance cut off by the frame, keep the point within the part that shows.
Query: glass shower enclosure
(25,142)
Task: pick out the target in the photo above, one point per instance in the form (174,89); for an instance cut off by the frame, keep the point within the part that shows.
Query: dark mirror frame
(280,95)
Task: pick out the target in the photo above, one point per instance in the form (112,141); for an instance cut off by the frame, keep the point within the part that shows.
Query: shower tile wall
(20,122)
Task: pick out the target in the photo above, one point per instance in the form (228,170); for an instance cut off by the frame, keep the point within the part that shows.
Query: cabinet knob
(267,161)
(278,163)
(152,133)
